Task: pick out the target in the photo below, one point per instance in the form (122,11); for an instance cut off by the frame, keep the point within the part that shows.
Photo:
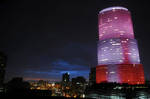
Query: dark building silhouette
(65,78)
(3,60)
(92,76)
(78,86)
(78,80)
(66,84)
(17,87)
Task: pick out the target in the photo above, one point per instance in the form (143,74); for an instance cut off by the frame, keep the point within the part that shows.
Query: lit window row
(113,51)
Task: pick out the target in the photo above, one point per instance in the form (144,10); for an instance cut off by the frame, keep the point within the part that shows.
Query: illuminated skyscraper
(118,55)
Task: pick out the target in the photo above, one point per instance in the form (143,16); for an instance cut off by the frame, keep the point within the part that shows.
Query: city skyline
(42,40)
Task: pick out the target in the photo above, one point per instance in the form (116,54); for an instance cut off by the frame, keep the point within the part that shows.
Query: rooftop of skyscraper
(113,8)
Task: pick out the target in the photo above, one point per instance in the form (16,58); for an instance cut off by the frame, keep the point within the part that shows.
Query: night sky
(45,38)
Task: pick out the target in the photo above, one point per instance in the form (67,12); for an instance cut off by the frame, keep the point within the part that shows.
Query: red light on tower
(118,55)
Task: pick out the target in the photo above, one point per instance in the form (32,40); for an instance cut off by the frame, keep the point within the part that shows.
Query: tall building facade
(2,67)
(118,55)
(66,77)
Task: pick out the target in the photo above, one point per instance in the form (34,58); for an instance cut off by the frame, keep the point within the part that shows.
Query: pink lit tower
(118,55)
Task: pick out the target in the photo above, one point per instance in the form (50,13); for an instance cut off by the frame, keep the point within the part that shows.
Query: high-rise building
(78,86)
(66,84)
(118,55)
(3,60)
(66,78)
